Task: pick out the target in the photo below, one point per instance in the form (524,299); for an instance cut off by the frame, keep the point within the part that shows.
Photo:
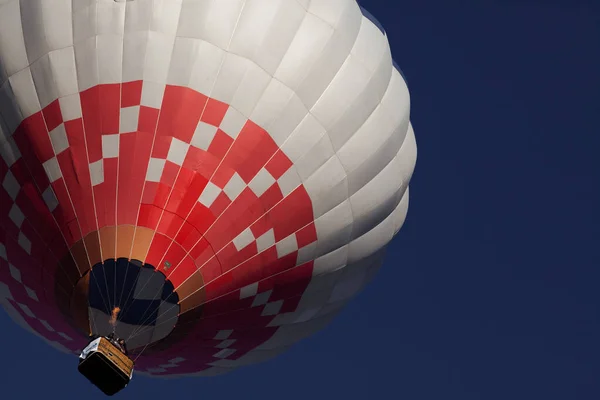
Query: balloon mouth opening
(127,298)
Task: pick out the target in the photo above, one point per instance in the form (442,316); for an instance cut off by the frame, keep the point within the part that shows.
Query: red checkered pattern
(221,197)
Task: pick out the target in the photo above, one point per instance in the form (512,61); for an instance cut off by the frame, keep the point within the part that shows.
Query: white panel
(234,187)
(303,139)
(244,239)
(12,42)
(49,26)
(272,308)
(25,93)
(247,291)
(282,119)
(399,214)
(321,153)
(250,89)
(203,135)
(109,49)
(213,21)
(233,122)
(311,39)
(281,31)
(372,241)
(50,198)
(332,57)
(205,67)
(177,151)
(10,152)
(289,181)
(25,243)
(266,240)
(15,273)
(334,228)
(287,246)
(135,47)
(52,169)
(261,182)
(130,117)
(59,140)
(331,261)
(155,169)
(97,172)
(70,107)
(327,187)
(30,292)
(210,194)
(11,185)
(110,146)
(152,94)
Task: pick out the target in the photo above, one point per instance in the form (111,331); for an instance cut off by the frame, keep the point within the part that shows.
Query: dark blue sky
(491,289)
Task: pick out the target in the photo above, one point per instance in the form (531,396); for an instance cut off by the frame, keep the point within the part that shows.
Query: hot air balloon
(207,182)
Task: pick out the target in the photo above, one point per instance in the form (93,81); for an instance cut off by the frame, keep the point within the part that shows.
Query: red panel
(106,195)
(201,218)
(158,247)
(271,197)
(251,151)
(201,162)
(220,144)
(52,115)
(35,134)
(148,120)
(182,271)
(170,224)
(294,212)
(131,94)
(110,108)
(238,216)
(149,216)
(291,283)
(211,270)
(214,112)
(134,156)
(180,113)
(279,164)
(306,235)
(92,117)
(74,166)
(188,236)
(173,257)
(34,165)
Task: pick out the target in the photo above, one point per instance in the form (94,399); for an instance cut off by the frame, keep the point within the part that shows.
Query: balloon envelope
(213,180)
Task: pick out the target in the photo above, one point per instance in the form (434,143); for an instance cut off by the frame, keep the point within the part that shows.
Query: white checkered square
(261,182)
(59,139)
(110,146)
(52,169)
(243,239)
(177,151)
(97,172)
(70,107)
(233,122)
(287,246)
(203,135)
(16,215)
(50,198)
(155,169)
(209,194)
(25,243)
(129,119)
(234,187)
(11,185)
